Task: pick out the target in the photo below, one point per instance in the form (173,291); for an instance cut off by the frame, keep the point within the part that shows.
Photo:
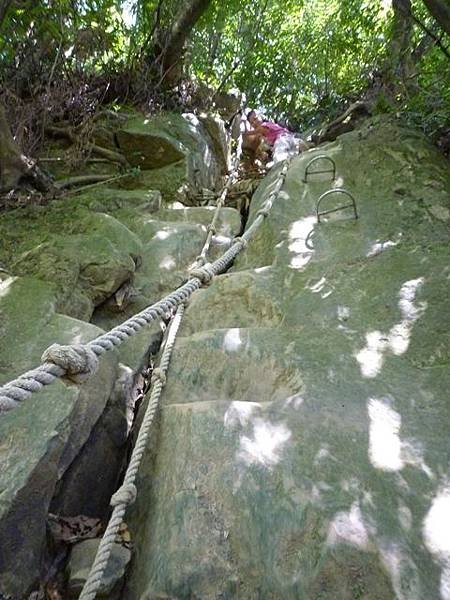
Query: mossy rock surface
(40,439)
(303,449)
(176,153)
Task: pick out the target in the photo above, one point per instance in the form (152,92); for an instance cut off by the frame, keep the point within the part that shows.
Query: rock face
(41,439)
(303,444)
(189,153)
(101,256)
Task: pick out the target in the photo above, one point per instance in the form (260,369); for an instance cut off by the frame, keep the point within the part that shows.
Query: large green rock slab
(40,439)
(170,139)
(84,268)
(244,515)
(171,240)
(151,143)
(302,450)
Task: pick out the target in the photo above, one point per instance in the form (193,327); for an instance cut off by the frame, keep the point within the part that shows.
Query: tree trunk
(14,165)
(400,64)
(11,160)
(397,77)
(440,10)
(174,43)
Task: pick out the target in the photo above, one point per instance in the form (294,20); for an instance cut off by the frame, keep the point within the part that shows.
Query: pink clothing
(273,131)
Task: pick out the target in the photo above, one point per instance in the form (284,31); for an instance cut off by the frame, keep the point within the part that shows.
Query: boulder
(219,139)
(302,448)
(171,240)
(84,269)
(177,141)
(81,559)
(40,439)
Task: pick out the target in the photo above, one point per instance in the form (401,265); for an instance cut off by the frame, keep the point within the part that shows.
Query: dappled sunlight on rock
(323,454)
(168,262)
(386,449)
(445,583)
(232,340)
(221,240)
(161,235)
(400,567)
(298,235)
(370,358)
(379,247)
(412,454)
(348,527)
(343,313)
(78,338)
(407,296)
(5,286)
(240,413)
(294,401)
(384,440)
(436,533)
(300,261)
(266,444)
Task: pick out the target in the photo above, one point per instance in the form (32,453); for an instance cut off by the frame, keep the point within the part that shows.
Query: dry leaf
(74,529)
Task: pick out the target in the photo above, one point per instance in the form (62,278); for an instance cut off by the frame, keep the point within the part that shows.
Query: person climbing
(267,136)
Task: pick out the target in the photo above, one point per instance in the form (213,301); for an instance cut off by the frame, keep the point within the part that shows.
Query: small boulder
(81,560)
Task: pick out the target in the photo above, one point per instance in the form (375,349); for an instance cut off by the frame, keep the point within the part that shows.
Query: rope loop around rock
(125,495)
(205,273)
(78,360)
(241,240)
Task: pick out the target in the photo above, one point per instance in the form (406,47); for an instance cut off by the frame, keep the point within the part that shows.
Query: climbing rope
(78,362)
(126,494)
(212,227)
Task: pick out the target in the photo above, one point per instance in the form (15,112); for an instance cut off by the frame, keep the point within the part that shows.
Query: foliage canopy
(300,60)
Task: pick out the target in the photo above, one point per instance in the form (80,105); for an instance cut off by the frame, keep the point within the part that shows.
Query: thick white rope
(212,227)
(78,362)
(126,494)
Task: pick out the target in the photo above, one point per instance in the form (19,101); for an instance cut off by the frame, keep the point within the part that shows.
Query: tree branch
(440,10)
(434,37)
(181,29)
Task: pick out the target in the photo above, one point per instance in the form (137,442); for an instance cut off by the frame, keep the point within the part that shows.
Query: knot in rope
(158,373)
(78,360)
(211,228)
(241,240)
(205,273)
(200,259)
(126,495)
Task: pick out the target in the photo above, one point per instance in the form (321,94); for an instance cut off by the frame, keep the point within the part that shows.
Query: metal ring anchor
(332,210)
(315,159)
